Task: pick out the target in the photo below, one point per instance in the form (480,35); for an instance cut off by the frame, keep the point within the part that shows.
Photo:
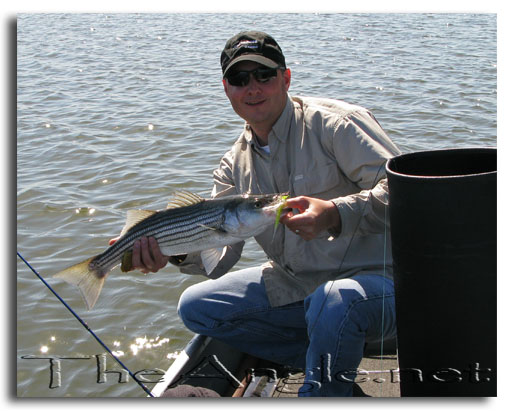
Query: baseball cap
(252,46)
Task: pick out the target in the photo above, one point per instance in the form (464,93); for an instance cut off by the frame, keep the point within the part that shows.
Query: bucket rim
(448,151)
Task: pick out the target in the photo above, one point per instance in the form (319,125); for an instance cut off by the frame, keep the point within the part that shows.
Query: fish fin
(206,226)
(184,199)
(134,217)
(211,258)
(126,261)
(89,282)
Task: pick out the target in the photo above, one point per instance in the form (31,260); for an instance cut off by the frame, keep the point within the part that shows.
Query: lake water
(116,111)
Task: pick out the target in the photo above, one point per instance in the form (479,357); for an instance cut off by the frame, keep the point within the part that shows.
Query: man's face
(259,103)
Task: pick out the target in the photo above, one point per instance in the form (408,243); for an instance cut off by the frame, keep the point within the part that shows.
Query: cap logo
(249,44)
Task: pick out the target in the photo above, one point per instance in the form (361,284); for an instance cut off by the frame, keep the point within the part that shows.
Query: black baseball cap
(252,46)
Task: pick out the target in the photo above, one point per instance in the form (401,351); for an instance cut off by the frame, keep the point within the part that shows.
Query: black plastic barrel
(443,232)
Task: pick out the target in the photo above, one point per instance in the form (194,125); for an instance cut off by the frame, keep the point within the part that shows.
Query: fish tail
(87,279)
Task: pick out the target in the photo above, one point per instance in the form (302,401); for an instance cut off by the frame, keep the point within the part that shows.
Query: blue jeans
(324,334)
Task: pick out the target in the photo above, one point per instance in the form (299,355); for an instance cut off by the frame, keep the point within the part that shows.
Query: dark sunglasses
(242,78)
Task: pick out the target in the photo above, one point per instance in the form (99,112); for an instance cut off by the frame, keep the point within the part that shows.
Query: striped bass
(188,224)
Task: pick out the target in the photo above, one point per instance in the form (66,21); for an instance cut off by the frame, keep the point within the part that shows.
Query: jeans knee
(333,304)
(188,308)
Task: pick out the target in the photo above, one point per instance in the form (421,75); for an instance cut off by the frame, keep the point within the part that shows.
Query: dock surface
(377,377)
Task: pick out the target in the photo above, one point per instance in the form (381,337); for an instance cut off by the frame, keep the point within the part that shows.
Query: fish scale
(164,230)
(189,224)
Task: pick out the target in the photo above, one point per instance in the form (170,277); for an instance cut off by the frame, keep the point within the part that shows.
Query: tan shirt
(319,148)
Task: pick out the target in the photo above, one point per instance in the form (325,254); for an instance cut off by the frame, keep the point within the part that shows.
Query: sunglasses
(242,78)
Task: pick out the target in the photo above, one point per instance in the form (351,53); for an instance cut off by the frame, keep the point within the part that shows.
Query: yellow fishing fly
(279,212)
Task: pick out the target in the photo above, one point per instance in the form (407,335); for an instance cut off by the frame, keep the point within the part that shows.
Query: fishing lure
(279,212)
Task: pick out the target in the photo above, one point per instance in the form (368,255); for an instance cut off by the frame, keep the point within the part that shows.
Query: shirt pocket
(320,181)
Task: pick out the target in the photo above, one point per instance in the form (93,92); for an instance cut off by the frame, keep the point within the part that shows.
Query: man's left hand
(314,217)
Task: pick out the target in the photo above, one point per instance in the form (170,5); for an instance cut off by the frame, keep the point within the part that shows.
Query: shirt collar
(281,127)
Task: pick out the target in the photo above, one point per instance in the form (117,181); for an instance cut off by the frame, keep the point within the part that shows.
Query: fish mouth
(276,203)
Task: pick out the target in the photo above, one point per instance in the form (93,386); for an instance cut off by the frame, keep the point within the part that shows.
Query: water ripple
(117,111)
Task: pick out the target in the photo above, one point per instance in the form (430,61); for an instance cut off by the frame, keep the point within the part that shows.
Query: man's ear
(287,78)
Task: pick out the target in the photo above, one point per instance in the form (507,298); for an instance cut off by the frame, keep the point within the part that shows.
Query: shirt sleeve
(362,149)
(223,177)
(192,263)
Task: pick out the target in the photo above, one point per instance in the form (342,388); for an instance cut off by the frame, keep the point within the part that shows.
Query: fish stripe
(189,224)
(178,225)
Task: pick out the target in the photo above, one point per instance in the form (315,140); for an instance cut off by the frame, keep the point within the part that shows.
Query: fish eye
(258,204)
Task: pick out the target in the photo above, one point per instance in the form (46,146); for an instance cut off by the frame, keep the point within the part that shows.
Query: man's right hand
(146,255)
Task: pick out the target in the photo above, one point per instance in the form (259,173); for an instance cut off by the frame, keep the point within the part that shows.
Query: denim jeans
(324,334)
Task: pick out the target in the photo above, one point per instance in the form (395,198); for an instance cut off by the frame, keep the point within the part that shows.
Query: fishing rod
(84,324)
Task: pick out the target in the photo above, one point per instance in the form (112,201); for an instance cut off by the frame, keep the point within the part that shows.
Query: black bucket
(443,230)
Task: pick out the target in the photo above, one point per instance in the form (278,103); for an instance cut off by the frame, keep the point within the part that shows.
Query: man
(327,286)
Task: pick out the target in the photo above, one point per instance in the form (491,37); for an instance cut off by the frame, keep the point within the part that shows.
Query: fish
(189,224)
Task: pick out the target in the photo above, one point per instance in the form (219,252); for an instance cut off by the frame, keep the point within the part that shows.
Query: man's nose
(253,85)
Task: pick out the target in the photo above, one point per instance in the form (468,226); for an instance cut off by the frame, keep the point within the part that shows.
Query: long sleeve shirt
(319,148)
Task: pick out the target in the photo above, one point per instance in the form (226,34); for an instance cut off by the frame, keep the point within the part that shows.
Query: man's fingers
(314,216)
(146,255)
(154,249)
(136,256)
(159,259)
(113,240)
(299,203)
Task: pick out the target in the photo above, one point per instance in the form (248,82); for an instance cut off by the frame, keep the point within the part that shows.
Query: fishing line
(383,297)
(375,180)
(84,324)
(350,242)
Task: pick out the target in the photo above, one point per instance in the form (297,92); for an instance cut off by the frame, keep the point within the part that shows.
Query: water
(118,111)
